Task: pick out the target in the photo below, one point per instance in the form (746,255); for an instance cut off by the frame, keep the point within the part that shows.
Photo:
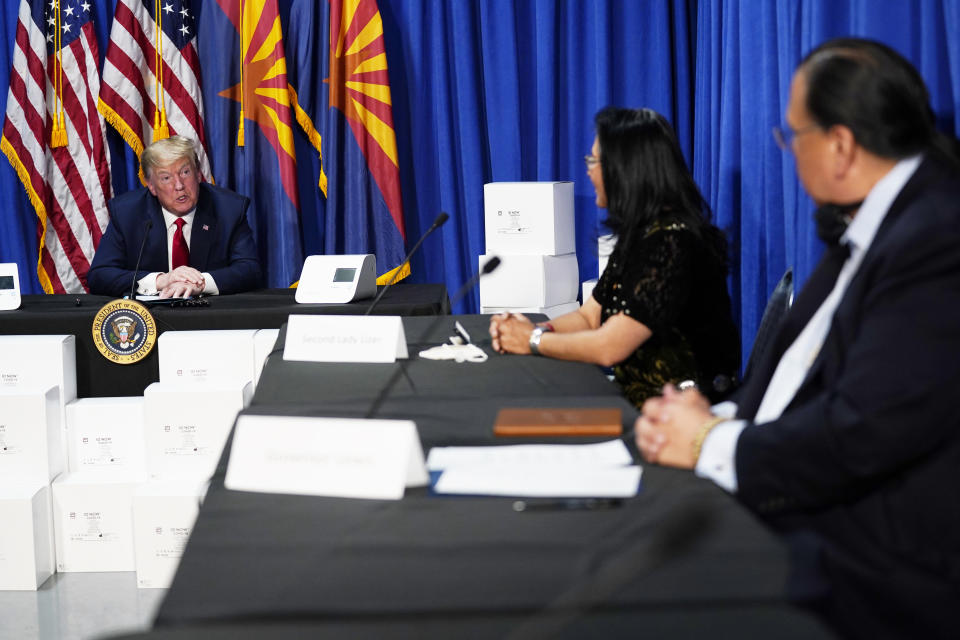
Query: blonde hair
(165,152)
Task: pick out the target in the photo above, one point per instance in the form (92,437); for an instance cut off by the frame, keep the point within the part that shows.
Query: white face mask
(458,352)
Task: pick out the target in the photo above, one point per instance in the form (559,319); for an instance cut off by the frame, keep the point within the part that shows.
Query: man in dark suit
(195,235)
(847,436)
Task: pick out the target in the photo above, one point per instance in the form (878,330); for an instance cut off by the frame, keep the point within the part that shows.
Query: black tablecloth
(451,402)
(681,558)
(265,309)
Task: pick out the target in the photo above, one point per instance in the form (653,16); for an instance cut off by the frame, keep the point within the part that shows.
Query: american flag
(131,84)
(68,185)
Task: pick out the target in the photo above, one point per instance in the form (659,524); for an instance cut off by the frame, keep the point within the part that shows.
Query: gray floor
(78,606)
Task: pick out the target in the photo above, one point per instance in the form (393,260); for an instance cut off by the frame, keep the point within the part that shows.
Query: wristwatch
(535,336)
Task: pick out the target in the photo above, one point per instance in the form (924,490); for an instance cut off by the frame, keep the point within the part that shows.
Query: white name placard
(345,339)
(346,458)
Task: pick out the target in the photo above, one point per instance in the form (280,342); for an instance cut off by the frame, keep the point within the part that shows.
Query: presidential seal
(124,331)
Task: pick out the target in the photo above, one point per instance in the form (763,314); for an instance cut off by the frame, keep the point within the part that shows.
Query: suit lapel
(812,295)
(204,230)
(924,174)
(155,256)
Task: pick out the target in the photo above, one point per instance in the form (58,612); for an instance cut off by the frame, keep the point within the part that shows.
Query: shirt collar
(170,218)
(875,206)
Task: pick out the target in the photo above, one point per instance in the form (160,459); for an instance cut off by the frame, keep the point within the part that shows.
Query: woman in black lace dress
(660,312)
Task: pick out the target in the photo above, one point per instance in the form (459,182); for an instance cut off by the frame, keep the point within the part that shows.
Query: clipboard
(540,422)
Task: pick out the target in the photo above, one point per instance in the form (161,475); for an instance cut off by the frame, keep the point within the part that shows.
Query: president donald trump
(194,235)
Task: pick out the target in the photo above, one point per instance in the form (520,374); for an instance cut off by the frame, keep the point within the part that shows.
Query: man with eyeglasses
(847,435)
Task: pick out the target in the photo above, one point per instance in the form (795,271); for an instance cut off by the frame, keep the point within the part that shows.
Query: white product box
(605,245)
(41,362)
(263,344)
(206,356)
(31,445)
(93,521)
(530,281)
(186,427)
(164,511)
(529,217)
(106,433)
(26,536)
(586,289)
(551,312)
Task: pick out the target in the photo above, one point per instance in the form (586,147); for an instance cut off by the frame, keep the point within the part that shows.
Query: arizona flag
(344,98)
(249,119)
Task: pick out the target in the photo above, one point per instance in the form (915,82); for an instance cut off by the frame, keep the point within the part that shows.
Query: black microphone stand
(488,267)
(442,218)
(136,268)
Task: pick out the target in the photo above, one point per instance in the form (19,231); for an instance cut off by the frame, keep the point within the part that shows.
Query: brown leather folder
(558,422)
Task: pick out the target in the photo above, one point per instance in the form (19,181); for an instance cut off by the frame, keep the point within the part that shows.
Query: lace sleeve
(660,275)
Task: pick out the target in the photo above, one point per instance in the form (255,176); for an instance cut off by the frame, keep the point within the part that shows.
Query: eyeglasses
(591,161)
(784,137)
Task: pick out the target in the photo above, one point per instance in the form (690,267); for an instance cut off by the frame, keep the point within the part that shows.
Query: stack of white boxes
(106,434)
(530,227)
(37,375)
(92,502)
(92,517)
(164,511)
(26,537)
(113,484)
(206,378)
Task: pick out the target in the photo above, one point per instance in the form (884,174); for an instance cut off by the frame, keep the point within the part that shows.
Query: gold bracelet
(702,435)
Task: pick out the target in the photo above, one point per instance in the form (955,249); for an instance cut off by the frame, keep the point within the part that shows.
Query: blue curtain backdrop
(506,90)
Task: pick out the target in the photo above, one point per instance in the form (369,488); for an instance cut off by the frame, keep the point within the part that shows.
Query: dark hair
(877,93)
(646,179)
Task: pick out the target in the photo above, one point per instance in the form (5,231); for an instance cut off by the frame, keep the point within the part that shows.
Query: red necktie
(180,255)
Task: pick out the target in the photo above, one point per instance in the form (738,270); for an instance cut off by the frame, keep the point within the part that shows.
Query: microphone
(136,268)
(488,267)
(443,217)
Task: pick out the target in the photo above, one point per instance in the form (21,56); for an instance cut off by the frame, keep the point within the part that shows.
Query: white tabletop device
(9,286)
(337,278)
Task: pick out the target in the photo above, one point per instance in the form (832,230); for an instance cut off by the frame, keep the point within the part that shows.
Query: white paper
(344,339)
(344,458)
(567,456)
(541,482)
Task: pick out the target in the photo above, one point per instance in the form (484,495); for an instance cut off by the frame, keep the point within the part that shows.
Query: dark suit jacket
(864,464)
(221,242)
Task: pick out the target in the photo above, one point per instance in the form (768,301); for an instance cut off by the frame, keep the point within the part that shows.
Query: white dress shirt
(147,285)
(717,457)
